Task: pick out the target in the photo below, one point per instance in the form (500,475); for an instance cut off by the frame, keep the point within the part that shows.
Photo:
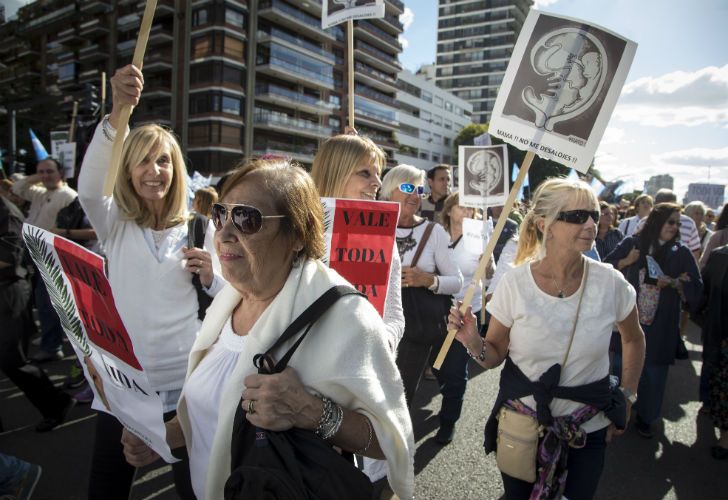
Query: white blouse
(203,391)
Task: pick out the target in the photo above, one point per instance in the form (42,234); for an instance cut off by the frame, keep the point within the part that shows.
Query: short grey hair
(665,196)
(695,207)
(398,175)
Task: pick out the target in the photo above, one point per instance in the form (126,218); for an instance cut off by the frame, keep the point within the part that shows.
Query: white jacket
(345,357)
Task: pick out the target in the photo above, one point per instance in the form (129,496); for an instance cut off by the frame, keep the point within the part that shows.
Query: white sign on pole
(483,175)
(710,194)
(482,140)
(476,234)
(67,157)
(58,137)
(560,88)
(338,11)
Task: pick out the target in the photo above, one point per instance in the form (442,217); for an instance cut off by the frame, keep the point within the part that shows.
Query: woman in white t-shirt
(533,314)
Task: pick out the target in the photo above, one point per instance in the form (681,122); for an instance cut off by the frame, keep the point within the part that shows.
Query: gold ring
(251,407)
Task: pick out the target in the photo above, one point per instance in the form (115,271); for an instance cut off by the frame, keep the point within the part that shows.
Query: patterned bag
(648,297)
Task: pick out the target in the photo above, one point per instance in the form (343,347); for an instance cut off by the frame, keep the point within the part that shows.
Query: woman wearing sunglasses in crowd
(435,269)
(554,291)
(660,290)
(342,381)
(143,229)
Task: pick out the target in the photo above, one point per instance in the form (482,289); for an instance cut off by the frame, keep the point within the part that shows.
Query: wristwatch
(435,284)
(629,395)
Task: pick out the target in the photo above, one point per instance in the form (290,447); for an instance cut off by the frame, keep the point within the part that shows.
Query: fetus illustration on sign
(574,65)
(484,172)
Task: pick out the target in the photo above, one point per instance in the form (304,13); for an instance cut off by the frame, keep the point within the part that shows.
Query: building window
(424,155)
(436,157)
(426,96)
(334,123)
(234,17)
(446,141)
(199,17)
(233,47)
(66,72)
(231,105)
(201,46)
(426,115)
(335,100)
(448,106)
(448,124)
(438,101)
(437,120)
(229,134)
(232,75)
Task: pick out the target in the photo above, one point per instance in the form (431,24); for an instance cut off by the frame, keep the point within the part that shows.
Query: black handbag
(295,464)
(425,312)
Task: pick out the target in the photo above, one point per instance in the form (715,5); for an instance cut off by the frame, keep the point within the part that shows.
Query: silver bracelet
(107,129)
(330,421)
(481,355)
(369,440)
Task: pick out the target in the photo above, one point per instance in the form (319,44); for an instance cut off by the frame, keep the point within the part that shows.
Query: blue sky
(672,116)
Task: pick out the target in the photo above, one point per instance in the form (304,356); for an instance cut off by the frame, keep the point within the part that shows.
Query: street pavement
(676,464)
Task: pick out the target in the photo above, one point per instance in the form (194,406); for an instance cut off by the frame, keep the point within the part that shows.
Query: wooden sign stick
(350,62)
(480,272)
(137,60)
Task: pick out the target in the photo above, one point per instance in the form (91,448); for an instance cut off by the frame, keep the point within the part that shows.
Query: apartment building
(429,120)
(232,78)
(475,40)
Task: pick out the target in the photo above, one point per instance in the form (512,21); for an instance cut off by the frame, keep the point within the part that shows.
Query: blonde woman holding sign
(551,323)
(144,230)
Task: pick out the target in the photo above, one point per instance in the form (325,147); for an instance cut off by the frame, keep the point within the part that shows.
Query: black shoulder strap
(196,229)
(307,318)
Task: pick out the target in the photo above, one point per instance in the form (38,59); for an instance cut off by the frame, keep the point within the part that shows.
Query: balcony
(69,37)
(297,43)
(93,29)
(126,47)
(288,98)
(397,5)
(377,96)
(89,76)
(376,58)
(159,35)
(299,152)
(392,24)
(295,71)
(374,78)
(128,22)
(373,35)
(164,7)
(52,20)
(281,122)
(157,60)
(96,6)
(286,15)
(92,53)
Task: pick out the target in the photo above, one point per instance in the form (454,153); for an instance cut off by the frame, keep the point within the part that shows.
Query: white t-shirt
(540,327)
(203,391)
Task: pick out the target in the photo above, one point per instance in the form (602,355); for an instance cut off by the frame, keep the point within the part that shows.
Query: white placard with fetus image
(562,83)
(483,175)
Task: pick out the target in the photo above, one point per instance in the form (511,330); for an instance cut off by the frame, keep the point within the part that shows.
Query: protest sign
(359,239)
(58,137)
(476,234)
(81,295)
(483,175)
(560,88)
(338,11)
(482,140)
(67,157)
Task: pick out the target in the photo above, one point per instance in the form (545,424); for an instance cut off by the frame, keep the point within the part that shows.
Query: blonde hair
(204,199)
(337,160)
(294,195)
(551,197)
(143,141)
(398,175)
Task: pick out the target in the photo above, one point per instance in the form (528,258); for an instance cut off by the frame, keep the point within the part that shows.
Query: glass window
(448,106)
(67,71)
(448,124)
(335,123)
(232,75)
(201,46)
(302,64)
(231,105)
(234,47)
(199,17)
(335,100)
(426,115)
(436,157)
(424,155)
(437,120)
(199,133)
(426,96)
(234,17)
(230,134)
(438,101)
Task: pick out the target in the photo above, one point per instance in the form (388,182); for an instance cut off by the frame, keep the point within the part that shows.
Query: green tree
(466,135)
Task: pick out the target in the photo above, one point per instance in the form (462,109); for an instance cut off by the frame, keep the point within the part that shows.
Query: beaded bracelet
(369,440)
(481,356)
(330,421)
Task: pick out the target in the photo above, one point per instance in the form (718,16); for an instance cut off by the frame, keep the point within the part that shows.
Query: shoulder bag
(517,441)
(196,228)
(295,464)
(425,311)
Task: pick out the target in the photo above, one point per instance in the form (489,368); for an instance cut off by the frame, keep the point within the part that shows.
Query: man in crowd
(47,193)
(643,206)
(438,177)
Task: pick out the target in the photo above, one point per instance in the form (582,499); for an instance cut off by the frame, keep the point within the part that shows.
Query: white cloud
(695,157)
(613,135)
(678,98)
(407,17)
(403,41)
(543,3)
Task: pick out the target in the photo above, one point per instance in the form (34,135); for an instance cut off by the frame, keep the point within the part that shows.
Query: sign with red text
(338,11)
(360,244)
(81,295)
(562,83)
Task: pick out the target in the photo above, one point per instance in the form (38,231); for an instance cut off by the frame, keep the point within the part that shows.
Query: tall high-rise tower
(475,40)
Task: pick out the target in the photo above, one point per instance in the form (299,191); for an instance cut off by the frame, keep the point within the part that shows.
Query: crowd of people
(583,304)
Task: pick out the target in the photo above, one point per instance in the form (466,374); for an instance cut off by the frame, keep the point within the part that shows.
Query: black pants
(412,358)
(111,475)
(15,324)
(585,467)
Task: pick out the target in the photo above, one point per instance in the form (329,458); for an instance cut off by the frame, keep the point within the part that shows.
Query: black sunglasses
(578,216)
(246,219)
(673,222)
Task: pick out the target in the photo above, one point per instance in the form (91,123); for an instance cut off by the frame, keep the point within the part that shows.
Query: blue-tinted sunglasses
(408,188)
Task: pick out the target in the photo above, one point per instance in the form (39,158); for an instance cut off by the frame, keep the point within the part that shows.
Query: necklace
(405,243)
(559,288)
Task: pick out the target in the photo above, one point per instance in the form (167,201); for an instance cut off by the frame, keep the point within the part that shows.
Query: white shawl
(345,357)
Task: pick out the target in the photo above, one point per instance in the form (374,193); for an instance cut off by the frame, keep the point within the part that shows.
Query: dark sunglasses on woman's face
(408,188)
(672,222)
(578,216)
(246,219)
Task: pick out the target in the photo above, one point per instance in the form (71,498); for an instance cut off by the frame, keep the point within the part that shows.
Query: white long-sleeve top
(152,290)
(468,263)
(393,312)
(436,257)
(44,203)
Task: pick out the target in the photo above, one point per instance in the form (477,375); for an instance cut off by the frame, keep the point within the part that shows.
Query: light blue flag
(597,186)
(624,188)
(40,151)
(523,187)
(573,176)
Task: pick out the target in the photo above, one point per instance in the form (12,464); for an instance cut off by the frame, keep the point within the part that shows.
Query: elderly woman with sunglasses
(435,269)
(342,381)
(143,228)
(664,273)
(551,323)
